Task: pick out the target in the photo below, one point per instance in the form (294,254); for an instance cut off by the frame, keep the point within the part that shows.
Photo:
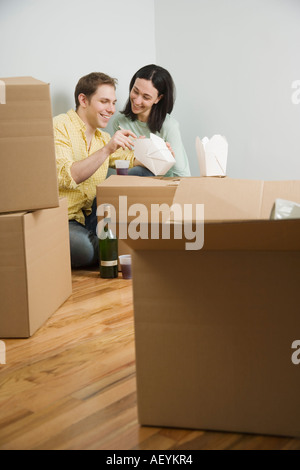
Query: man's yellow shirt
(71,146)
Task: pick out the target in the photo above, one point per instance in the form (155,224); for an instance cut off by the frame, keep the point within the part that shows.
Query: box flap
(136,181)
(137,190)
(232,213)
(223,198)
(13,214)
(17,81)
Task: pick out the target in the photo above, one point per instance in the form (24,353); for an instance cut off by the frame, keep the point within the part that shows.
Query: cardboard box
(155,190)
(35,268)
(215,328)
(27,152)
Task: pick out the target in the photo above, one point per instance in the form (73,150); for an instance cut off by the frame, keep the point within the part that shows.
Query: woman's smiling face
(143,96)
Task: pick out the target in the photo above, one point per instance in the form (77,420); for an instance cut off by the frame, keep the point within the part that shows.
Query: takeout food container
(154,154)
(212,155)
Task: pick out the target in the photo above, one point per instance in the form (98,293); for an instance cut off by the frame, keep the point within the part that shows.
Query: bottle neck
(107,231)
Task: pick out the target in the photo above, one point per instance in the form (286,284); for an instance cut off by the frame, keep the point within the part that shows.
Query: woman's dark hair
(88,85)
(163,82)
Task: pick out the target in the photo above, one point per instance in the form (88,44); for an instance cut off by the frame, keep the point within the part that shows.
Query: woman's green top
(169,133)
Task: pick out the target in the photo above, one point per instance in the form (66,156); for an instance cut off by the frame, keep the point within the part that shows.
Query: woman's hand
(170,148)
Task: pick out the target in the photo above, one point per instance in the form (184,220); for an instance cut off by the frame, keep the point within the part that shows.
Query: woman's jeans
(84,243)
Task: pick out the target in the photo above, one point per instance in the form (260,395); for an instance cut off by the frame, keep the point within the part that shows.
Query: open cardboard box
(136,190)
(29,179)
(214,328)
(35,268)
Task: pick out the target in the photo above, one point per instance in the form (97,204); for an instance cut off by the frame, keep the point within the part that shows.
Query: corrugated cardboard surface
(137,190)
(223,198)
(35,270)
(13,279)
(236,212)
(213,340)
(214,327)
(27,151)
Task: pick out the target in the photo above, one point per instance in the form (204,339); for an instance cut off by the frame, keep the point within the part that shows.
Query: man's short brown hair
(89,84)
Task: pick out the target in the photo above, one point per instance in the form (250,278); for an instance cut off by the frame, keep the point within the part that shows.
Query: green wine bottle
(108,249)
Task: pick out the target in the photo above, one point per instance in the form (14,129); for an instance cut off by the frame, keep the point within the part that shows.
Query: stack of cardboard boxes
(35,271)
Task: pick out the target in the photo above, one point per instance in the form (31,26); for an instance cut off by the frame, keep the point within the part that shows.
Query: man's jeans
(134,171)
(139,171)
(84,243)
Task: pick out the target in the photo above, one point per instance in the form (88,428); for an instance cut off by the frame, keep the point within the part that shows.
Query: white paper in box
(154,154)
(283,209)
(212,155)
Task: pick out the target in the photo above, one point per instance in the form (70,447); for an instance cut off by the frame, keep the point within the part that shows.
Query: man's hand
(121,139)
(84,169)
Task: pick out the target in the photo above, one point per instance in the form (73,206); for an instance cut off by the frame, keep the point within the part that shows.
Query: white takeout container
(154,154)
(212,155)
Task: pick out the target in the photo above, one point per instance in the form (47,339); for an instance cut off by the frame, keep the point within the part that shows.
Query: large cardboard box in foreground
(215,328)
(35,269)
(27,155)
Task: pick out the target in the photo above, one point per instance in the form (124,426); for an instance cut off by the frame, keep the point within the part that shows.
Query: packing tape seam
(2,92)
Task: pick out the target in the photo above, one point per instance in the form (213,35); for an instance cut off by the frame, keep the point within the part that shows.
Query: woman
(148,109)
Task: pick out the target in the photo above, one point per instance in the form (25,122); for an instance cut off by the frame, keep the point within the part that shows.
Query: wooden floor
(72,385)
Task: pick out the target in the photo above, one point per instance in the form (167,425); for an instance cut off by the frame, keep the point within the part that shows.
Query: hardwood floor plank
(73,386)
(23,435)
(93,429)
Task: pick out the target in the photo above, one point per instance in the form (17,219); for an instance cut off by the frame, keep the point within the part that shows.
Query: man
(83,155)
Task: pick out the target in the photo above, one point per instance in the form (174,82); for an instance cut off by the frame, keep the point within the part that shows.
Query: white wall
(59,41)
(234,62)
